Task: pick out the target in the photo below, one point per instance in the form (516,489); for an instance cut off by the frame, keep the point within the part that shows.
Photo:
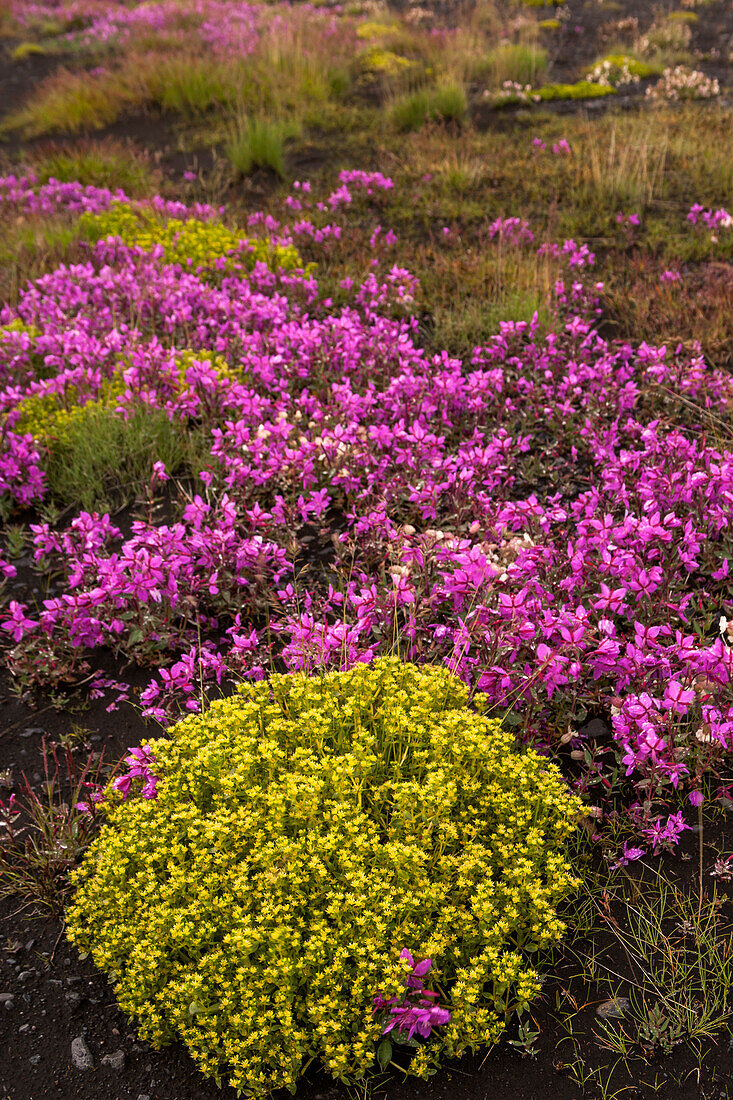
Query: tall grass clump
(259,143)
(516,62)
(298,847)
(67,102)
(446,103)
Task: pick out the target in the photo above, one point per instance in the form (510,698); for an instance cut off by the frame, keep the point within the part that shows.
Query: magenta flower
(139,762)
(18,623)
(409,1016)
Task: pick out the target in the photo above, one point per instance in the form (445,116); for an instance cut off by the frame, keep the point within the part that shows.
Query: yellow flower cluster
(374,29)
(305,831)
(377,60)
(16,325)
(192,243)
(50,417)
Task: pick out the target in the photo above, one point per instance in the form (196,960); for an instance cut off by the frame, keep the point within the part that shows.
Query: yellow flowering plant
(301,835)
(191,243)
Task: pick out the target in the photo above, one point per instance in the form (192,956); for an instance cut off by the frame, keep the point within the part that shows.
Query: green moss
(305,832)
(642,69)
(582,89)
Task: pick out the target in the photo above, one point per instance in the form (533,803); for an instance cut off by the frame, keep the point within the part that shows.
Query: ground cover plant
(381,366)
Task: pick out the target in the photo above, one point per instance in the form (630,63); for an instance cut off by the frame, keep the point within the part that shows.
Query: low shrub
(297,842)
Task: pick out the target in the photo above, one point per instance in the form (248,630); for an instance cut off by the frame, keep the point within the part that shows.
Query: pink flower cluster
(23,195)
(549,517)
(140,761)
(712,219)
(514,231)
(415,1011)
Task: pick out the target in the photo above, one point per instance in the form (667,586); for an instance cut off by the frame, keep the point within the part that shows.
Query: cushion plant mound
(304,833)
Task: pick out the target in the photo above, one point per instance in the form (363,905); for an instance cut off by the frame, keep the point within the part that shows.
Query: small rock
(615,1009)
(73,1000)
(81,1055)
(9,1005)
(26,975)
(5,997)
(116,1060)
(25,1029)
(143,1096)
(596,730)
(35,1059)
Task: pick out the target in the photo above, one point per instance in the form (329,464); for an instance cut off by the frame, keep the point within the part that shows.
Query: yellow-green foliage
(191,243)
(642,69)
(50,417)
(16,325)
(376,30)
(305,831)
(27,49)
(377,60)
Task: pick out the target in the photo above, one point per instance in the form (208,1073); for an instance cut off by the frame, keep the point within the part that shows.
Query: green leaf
(384,1053)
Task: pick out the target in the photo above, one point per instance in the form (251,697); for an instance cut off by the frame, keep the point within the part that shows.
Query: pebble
(25,1029)
(81,1055)
(26,975)
(35,1059)
(5,997)
(615,1009)
(116,1060)
(143,1096)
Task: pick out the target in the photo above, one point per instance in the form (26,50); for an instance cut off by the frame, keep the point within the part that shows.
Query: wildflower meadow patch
(366,484)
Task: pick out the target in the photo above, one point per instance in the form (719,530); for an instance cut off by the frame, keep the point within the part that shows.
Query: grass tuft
(446,103)
(260,143)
